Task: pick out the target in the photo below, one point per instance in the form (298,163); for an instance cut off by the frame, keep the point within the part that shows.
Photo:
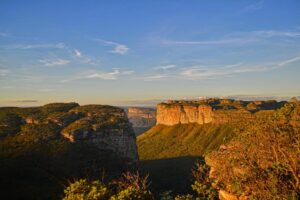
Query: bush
(86,190)
(132,186)
(129,186)
(263,161)
(203,184)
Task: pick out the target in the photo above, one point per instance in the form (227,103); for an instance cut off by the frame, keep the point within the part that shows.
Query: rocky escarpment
(171,114)
(104,126)
(189,129)
(216,111)
(52,144)
(142,119)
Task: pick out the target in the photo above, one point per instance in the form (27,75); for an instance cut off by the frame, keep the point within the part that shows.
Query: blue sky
(120,52)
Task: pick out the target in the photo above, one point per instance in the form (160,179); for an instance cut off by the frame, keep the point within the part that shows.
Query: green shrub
(185,197)
(129,187)
(87,190)
(203,184)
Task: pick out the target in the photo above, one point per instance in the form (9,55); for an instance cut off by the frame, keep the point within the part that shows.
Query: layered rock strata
(171,114)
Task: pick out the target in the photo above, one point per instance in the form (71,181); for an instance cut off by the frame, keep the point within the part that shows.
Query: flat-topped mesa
(141,112)
(142,117)
(217,111)
(169,114)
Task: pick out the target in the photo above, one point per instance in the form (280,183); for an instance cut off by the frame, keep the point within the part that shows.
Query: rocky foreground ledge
(42,148)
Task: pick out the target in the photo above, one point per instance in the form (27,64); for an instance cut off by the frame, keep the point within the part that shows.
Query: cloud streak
(57,62)
(211,42)
(103,75)
(238,38)
(39,46)
(252,7)
(202,72)
(289,61)
(118,48)
(165,67)
(156,77)
(78,54)
(26,101)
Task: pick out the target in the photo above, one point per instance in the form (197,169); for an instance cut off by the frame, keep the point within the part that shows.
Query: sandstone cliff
(188,129)
(54,143)
(169,114)
(106,127)
(142,119)
(216,111)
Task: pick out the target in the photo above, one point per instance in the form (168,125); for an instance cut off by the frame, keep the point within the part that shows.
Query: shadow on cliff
(170,173)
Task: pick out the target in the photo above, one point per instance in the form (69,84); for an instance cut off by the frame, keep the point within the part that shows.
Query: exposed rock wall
(171,114)
(142,119)
(52,144)
(148,113)
(107,128)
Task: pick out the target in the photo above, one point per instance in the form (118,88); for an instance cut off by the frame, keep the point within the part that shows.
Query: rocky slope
(192,129)
(57,142)
(142,119)
(264,161)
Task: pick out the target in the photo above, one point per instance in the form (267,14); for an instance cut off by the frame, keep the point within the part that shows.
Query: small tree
(132,186)
(203,184)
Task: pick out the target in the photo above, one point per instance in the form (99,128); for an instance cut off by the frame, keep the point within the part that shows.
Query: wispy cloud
(103,75)
(238,38)
(82,57)
(77,53)
(210,42)
(202,72)
(156,77)
(198,73)
(252,7)
(113,75)
(57,62)
(260,35)
(195,73)
(118,48)
(289,61)
(38,46)
(165,67)
(26,101)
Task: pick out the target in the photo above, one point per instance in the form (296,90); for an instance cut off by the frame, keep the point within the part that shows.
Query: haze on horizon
(112,52)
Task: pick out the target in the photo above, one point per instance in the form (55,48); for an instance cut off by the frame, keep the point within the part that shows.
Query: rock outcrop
(52,144)
(246,166)
(216,111)
(106,127)
(169,114)
(142,119)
